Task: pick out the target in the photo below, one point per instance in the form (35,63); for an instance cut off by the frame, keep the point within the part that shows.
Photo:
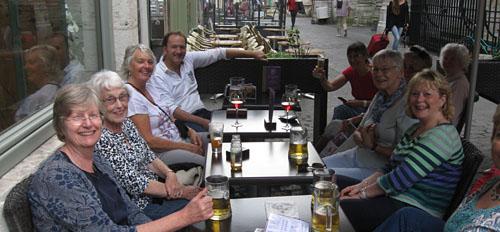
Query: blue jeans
(343,111)
(345,163)
(163,207)
(410,219)
(396,32)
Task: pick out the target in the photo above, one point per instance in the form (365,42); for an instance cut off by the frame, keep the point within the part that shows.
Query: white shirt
(161,124)
(36,101)
(182,91)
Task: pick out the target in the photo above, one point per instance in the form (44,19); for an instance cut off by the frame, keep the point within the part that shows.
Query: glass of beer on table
(298,144)
(216,131)
(218,189)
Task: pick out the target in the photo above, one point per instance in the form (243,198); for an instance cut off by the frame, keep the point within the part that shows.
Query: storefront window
(44,45)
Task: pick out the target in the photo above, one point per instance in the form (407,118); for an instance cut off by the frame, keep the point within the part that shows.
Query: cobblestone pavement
(323,37)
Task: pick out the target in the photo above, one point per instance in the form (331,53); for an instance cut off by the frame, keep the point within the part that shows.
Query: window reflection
(44,45)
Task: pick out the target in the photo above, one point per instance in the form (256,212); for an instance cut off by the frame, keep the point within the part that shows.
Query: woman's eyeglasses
(111,100)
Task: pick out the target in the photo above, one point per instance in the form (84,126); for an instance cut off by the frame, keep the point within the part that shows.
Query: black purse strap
(183,130)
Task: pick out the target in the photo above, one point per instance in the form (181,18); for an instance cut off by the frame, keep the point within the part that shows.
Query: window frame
(21,139)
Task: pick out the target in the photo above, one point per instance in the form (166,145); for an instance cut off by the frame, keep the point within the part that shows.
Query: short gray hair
(105,80)
(129,54)
(48,55)
(66,99)
(392,55)
(458,52)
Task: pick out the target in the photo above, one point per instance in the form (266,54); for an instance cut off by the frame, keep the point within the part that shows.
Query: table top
(253,125)
(250,213)
(274,29)
(268,163)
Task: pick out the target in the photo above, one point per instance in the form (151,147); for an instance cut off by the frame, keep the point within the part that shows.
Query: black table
(268,164)
(253,126)
(250,213)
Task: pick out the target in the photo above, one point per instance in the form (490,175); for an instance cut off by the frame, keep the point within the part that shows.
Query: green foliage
(280,54)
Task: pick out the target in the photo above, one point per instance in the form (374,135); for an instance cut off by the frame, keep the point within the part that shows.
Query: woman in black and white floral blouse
(135,166)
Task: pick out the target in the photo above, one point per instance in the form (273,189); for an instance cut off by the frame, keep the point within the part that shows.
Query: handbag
(183,129)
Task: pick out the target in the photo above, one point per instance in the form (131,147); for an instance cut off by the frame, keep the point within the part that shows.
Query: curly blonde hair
(433,80)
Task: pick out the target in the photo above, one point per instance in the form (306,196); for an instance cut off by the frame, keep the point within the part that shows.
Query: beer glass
(216,131)
(322,174)
(297,150)
(325,216)
(218,189)
(236,154)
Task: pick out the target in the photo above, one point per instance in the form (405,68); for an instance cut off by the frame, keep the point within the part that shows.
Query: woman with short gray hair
(454,59)
(383,125)
(135,166)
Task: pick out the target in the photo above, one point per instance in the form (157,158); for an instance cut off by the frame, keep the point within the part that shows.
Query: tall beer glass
(216,131)
(325,216)
(297,150)
(218,189)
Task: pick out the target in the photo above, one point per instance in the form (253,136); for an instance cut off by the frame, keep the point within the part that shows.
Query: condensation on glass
(44,45)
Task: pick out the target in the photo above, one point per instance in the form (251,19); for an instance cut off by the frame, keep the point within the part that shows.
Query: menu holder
(245,155)
(231,113)
(269,124)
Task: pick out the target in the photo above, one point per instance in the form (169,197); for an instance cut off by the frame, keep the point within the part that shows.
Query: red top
(362,87)
(492,173)
(292,5)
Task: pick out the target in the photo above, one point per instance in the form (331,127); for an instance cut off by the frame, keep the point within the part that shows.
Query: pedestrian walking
(343,11)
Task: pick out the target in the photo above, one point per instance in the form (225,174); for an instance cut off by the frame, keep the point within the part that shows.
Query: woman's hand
(199,208)
(194,137)
(357,137)
(172,186)
(189,192)
(319,72)
(351,192)
(194,149)
(368,135)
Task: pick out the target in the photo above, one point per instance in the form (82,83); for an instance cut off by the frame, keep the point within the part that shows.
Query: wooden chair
(16,209)
(472,160)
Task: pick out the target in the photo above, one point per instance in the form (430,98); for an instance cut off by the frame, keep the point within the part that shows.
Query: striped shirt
(424,171)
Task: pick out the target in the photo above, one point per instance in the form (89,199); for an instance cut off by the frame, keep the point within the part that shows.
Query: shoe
(345,33)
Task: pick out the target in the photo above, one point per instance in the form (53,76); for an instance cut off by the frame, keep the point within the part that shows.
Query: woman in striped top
(424,168)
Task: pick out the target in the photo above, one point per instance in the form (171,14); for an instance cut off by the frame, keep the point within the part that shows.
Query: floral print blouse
(62,198)
(129,156)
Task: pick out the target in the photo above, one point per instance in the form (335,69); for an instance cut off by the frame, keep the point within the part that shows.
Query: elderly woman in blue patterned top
(424,168)
(75,190)
(136,167)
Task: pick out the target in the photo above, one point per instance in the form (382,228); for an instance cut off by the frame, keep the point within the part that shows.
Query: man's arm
(239,53)
(185,116)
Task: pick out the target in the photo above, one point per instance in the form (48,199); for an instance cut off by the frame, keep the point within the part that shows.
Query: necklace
(495,195)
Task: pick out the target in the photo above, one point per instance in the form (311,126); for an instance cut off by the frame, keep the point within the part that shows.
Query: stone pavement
(323,37)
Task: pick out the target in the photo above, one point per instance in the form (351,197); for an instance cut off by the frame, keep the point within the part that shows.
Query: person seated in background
(416,59)
(174,82)
(44,74)
(135,166)
(72,68)
(75,190)
(454,59)
(424,168)
(479,211)
(156,123)
(382,126)
(359,75)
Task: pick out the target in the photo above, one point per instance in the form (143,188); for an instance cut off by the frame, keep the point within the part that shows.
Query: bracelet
(362,194)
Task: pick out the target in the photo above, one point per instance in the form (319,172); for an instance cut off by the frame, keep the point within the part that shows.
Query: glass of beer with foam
(218,189)
(216,131)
